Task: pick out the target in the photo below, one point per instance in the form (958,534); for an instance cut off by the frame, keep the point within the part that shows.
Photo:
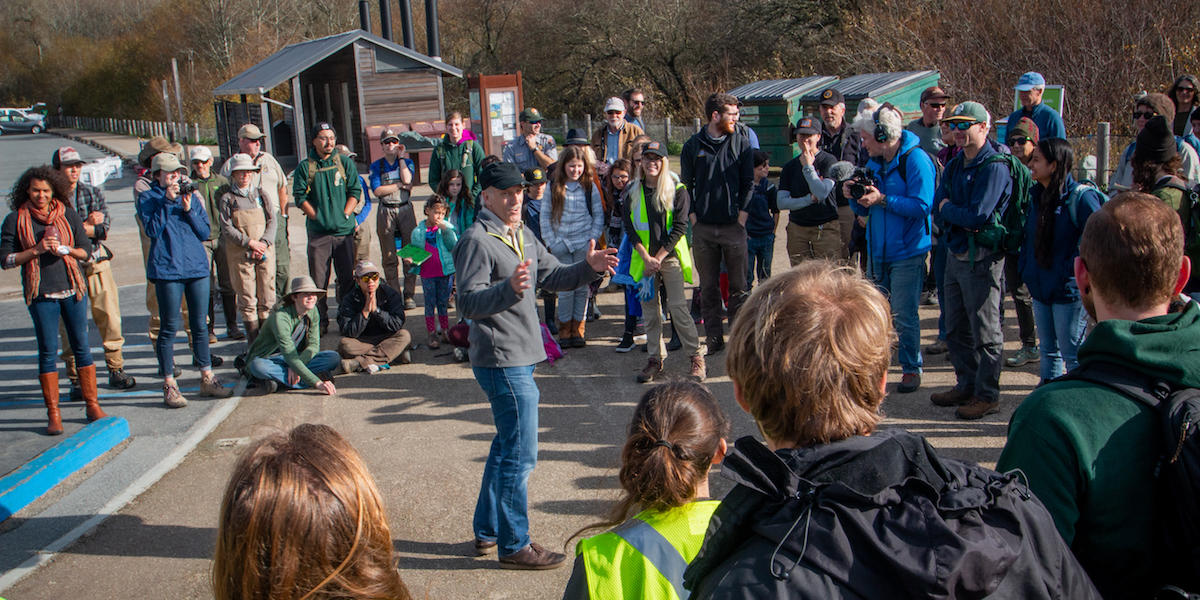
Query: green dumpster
(903,89)
(771,107)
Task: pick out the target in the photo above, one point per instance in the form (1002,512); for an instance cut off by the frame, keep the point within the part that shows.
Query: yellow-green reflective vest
(641,226)
(645,557)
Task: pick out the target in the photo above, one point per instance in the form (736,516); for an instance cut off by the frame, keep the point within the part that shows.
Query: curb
(28,483)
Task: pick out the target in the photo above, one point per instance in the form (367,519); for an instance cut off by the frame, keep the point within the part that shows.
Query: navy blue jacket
(1056,285)
(176,237)
(974,194)
(901,229)
(1049,122)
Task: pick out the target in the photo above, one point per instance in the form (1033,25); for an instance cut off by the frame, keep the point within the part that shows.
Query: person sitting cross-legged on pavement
(371,319)
(288,348)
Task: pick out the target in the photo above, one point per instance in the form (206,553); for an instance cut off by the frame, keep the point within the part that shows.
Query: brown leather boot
(251,333)
(566,330)
(49,383)
(91,396)
(577,340)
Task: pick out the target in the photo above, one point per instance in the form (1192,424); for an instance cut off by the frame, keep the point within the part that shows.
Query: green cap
(971,112)
(531,115)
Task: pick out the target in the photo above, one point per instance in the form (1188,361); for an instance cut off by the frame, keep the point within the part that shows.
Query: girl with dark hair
(1060,208)
(302,518)
(677,433)
(45,237)
(461,206)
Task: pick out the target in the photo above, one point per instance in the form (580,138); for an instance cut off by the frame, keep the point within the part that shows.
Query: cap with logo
(322,126)
(535,176)
(389,135)
(501,176)
(806,126)
(199,154)
(970,112)
(1030,80)
(614,103)
(66,156)
(531,115)
(832,97)
(934,92)
(250,131)
(655,148)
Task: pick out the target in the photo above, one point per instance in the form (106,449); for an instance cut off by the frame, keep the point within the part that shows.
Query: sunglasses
(1144,115)
(369,277)
(641,102)
(1185,89)
(1019,140)
(937,104)
(962,125)
(614,112)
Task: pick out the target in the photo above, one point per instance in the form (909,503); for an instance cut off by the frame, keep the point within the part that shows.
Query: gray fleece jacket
(505,328)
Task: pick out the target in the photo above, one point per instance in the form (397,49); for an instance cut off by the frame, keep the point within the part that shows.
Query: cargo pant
(253,280)
(391,222)
(106,311)
(814,242)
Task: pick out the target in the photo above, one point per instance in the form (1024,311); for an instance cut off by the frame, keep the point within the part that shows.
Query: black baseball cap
(322,126)
(501,176)
(535,176)
(806,126)
(832,97)
(655,148)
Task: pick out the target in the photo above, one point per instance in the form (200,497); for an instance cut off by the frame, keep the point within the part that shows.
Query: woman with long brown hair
(677,433)
(302,518)
(45,237)
(574,219)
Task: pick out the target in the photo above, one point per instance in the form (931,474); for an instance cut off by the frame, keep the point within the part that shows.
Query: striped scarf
(54,215)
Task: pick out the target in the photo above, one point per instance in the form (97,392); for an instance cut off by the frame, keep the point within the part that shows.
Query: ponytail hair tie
(665,444)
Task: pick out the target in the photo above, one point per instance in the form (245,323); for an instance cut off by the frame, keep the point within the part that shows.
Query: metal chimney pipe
(385,19)
(406,23)
(431,29)
(364,16)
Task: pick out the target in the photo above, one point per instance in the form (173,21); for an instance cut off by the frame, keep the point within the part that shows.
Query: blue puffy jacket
(901,229)
(1056,285)
(176,236)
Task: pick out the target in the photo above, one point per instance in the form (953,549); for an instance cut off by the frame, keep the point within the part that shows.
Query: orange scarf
(55,214)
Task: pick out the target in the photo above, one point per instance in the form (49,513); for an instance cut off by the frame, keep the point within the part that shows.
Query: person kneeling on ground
(371,319)
(303,518)
(831,507)
(288,348)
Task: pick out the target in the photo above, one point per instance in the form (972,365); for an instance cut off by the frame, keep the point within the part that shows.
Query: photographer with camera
(807,194)
(895,193)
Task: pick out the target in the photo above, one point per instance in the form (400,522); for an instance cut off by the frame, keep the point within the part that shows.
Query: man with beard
(635,103)
(717,166)
(1088,451)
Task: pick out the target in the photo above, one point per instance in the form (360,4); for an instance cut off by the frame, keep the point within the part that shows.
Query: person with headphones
(896,199)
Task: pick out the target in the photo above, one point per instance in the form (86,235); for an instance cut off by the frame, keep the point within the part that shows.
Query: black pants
(1021,299)
(323,248)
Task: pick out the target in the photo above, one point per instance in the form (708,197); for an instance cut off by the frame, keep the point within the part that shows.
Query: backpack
(1191,226)
(1073,200)
(1005,231)
(313,169)
(1177,472)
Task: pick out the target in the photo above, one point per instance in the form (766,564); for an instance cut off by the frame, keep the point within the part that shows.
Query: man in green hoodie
(1088,451)
(327,190)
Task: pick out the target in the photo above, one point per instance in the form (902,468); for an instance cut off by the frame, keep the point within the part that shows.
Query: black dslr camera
(187,186)
(859,182)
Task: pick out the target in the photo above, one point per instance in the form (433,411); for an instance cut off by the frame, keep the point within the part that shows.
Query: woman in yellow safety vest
(678,431)
(656,213)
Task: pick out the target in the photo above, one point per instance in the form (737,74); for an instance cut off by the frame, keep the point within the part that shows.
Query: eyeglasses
(620,178)
(1019,140)
(641,102)
(369,277)
(1144,114)
(962,125)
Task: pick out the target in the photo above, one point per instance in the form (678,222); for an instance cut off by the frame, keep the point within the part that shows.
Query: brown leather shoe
(484,547)
(652,369)
(977,408)
(533,557)
(698,370)
(950,397)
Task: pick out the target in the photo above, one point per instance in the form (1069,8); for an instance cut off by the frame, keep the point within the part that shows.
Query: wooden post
(667,129)
(566,124)
(1102,145)
(167,105)
(587,128)
(696,125)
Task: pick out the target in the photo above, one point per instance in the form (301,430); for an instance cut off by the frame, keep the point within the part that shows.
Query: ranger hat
(531,115)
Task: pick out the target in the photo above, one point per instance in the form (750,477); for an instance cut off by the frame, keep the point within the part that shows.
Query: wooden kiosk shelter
(352,80)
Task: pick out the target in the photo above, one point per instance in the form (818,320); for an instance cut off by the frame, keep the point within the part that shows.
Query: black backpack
(1176,473)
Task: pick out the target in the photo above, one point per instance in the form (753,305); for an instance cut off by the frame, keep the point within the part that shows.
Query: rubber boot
(229,307)
(49,383)
(91,395)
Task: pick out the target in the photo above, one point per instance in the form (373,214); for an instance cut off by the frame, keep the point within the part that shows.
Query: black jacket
(878,517)
(719,175)
(388,319)
(843,146)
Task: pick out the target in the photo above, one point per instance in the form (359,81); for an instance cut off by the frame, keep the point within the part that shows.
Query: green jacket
(327,191)
(465,157)
(1089,452)
(275,337)
(211,189)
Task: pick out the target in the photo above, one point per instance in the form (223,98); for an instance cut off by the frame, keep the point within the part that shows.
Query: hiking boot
(409,304)
(937,347)
(234,333)
(909,383)
(533,557)
(349,365)
(270,386)
(653,368)
(213,388)
(698,370)
(118,379)
(715,344)
(1024,356)
(484,547)
(977,408)
(626,343)
(929,298)
(171,396)
(433,342)
(214,361)
(951,397)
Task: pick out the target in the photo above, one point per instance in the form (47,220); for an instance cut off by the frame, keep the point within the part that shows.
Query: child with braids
(678,432)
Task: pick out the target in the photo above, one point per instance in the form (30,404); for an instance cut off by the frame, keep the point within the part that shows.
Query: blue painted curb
(25,485)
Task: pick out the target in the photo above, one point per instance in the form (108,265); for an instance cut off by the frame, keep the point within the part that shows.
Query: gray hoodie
(505,328)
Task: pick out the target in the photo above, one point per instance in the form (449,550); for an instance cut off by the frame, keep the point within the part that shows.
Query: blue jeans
(1060,329)
(572,305)
(437,295)
(938,264)
(170,293)
(759,253)
(275,367)
(45,313)
(502,513)
(901,281)
(973,334)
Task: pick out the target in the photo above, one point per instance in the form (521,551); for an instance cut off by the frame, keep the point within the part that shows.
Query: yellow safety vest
(645,557)
(641,227)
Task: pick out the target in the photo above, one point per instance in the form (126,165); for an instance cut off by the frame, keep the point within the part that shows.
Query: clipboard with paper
(413,253)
